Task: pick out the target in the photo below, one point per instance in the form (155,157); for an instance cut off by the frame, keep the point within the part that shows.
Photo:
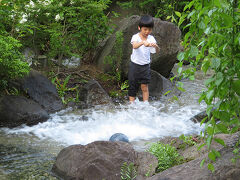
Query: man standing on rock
(139,69)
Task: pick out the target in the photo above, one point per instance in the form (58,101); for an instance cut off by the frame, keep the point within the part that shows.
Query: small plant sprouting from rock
(167,155)
(188,140)
(128,171)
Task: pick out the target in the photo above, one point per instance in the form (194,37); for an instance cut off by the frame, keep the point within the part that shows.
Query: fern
(128,171)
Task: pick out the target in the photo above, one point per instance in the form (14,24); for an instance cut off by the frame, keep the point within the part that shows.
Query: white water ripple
(140,121)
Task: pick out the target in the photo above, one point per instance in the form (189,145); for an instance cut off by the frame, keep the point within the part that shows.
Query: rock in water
(41,90)
(95,94)
(101,160)
(18,110)
(119,137)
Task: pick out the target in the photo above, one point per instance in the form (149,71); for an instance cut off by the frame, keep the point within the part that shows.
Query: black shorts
(137,74)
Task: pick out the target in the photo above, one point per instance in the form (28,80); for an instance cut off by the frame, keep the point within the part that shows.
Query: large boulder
(101,160)
(224,167)
(41,90)
(95,94)
(167,35)
(18,110)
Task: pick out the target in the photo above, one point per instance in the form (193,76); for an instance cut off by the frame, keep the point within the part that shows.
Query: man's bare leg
(131,99)
(145,92)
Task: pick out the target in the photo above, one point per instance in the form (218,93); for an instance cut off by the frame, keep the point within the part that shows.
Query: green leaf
(220,141)
(192,77)
(215,63)
(210,95)
(193,51)
(236,86)
(219,78)
(202,163)
(211,167)
(209,141)
(217,154)
(217,3)
(167,93)
(202,25)
(201,97)
(179,70)
(180,56)
(212,156)
(201,146)
(208,81)
(168,17)
(225,116)
(178,13)
(204,119)
(222,128)
(205,65)
(209,110)
(181,89)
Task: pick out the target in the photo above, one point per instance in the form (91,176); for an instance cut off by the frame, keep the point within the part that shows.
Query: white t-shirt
(141,55)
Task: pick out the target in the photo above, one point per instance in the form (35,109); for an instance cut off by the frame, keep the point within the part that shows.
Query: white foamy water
(137,121)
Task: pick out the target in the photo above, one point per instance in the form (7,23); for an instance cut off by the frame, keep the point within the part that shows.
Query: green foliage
(128,171)
(58,27)
(188,140)
(11,64)
(213,41)
(115,59)
(167,155)
(63,89)
(164,9)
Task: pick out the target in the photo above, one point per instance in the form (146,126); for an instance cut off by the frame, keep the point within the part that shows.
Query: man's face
(145,31)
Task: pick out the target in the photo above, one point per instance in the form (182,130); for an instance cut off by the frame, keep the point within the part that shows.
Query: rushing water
(29,152)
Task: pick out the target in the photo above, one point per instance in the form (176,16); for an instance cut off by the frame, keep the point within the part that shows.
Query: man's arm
(138,44)
(156,47)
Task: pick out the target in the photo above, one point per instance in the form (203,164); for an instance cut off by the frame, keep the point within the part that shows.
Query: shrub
(167,155)
(11,64)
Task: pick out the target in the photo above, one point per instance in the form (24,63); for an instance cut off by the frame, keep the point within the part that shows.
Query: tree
(213,41)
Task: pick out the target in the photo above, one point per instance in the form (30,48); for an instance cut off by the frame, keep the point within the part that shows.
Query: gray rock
(167,35)
(159,85)
(18,110)
(101,160)
(119,137)
(199,117)
(95,94)
(41,90)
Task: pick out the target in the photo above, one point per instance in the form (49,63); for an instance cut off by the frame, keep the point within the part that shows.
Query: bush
(167,155)
(57,28)
(11,64)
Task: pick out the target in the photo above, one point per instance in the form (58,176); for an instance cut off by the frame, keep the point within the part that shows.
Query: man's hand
(155,46)
(147,44)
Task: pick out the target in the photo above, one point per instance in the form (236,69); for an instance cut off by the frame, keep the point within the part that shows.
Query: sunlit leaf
(220,141)
(211,167)
(212,156)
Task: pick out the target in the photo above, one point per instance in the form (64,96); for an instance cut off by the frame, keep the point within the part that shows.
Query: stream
(29,152)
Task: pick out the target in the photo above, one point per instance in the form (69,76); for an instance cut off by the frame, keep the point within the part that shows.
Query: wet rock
(84,118)
(199,117)
(18,110)
(167,35)
(95,94)
(159,85)
(42,91)
(101,160)
(119,137)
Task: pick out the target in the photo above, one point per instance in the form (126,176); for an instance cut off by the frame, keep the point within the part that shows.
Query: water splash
(137,121)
